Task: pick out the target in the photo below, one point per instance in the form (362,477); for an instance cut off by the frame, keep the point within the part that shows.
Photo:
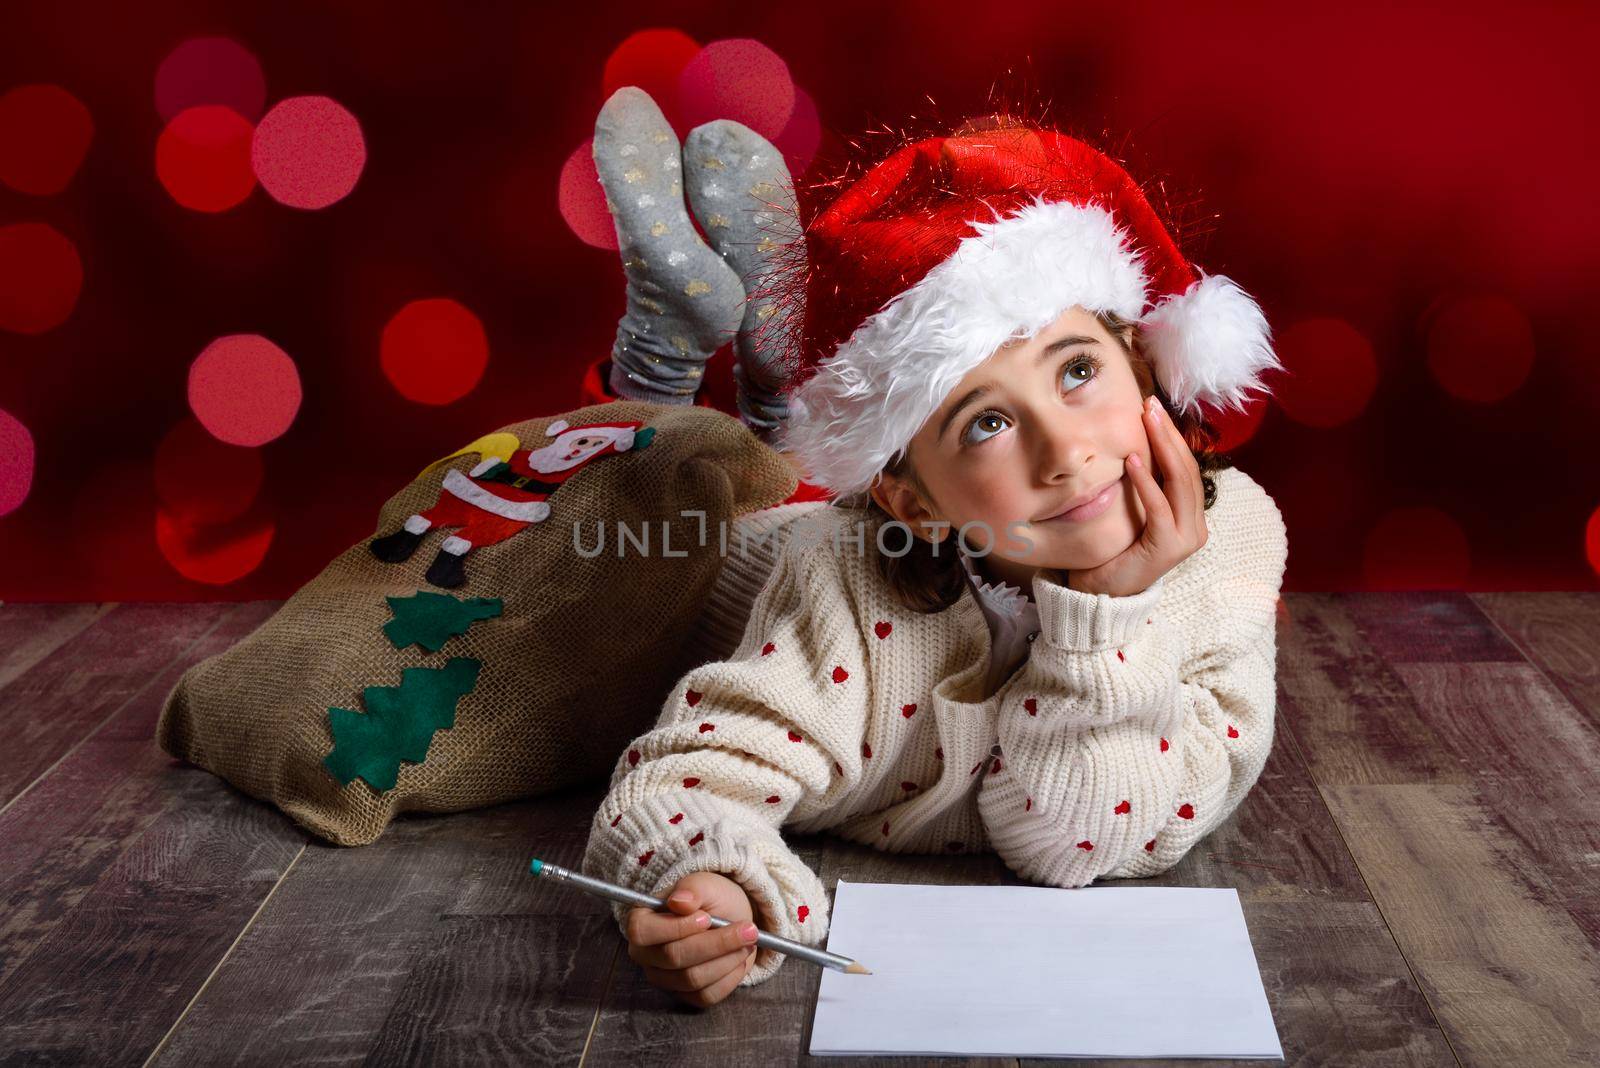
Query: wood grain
(1355,721)
(1417,865)
(62,697)
(125,876)
(1559,633)
(1508,974)
(1436,626)
(431,945)
(30,632)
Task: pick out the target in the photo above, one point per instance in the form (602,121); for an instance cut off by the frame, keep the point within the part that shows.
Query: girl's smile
(1097,505)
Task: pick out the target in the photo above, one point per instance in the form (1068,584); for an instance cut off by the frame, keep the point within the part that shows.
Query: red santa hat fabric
(955,245)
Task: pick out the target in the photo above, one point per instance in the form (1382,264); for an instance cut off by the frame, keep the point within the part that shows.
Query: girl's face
(1037,426)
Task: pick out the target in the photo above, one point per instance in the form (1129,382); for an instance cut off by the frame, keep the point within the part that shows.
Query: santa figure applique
(504,493)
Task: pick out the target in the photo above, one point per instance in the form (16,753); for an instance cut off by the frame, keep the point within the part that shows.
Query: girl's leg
(742,194)
(684,302)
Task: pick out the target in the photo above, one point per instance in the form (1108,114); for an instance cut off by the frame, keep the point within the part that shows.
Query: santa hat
(955,245)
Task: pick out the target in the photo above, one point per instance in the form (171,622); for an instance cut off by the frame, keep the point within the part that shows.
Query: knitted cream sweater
(1131,729)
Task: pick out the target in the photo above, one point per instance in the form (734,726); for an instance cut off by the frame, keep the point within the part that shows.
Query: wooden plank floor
(1419,867)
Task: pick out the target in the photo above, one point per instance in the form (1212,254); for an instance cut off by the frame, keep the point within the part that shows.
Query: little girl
(1028,622)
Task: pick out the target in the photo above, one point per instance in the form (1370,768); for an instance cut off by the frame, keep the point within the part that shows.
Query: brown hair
(927,582)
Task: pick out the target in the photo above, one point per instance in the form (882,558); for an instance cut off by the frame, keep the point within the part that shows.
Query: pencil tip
(856,968)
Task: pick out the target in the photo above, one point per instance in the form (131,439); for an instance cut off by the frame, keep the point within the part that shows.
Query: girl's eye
(993,422)
(984,421)
(1086,361)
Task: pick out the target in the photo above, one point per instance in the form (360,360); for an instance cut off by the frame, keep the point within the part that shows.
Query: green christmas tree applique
(430,619)
(398,724)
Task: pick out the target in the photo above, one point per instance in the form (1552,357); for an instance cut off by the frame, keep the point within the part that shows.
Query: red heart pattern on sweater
(690,783)
(644,858)
(882,628)
(1120,656)
(1231,732)
(633,757)
(908,785)
(938,752)
(793,737)
(1163,745)
(840,674)
(1186,810)
(908,710)
(773,800)
(1029,806)
(697,839)
(996,769)
(693,697)
(1123,809)
(1032,705)
(837,768)
(707,727)
(886,828)
(1150,846)
(866,751)
(975,768)
(767,648)
(802,912)
(1086,845)
(676,819)
(617,820)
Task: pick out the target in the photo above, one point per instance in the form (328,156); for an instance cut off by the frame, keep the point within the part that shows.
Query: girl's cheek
(996,506)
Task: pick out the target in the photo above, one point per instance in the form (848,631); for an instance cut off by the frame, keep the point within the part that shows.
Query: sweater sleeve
(740,743)
(1125,739)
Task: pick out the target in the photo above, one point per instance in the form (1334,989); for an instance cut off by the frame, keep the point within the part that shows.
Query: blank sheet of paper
(1030,971)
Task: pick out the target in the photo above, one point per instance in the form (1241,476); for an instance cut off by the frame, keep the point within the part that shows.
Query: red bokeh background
(261,263)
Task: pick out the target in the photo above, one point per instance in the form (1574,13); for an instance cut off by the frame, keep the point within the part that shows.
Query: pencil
(601,888)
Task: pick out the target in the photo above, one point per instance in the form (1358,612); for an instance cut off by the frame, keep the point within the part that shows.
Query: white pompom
(1210,343)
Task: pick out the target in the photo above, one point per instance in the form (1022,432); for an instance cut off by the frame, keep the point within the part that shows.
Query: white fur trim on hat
(1006,282)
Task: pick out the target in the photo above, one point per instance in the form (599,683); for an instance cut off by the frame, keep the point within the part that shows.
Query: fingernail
(748,932)
(681,895)
(701,919)
(1134,461)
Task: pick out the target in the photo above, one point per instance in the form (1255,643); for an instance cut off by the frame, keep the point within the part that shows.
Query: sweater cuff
(788,898)
(1089,622)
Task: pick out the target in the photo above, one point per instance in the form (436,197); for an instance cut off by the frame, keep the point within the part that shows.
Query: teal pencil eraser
(535,866)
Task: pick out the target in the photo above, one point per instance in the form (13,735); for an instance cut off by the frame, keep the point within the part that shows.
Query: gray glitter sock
(742,194)
(684,302)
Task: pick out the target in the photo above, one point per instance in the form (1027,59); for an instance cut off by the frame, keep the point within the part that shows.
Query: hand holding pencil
(697,950)
(682,952)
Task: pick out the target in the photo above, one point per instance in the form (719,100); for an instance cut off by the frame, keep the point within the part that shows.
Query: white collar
(1003,599)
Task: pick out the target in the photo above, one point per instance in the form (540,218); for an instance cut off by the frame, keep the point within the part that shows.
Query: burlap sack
(577,662)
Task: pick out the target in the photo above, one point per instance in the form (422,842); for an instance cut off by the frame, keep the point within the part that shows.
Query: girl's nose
(1062,450)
